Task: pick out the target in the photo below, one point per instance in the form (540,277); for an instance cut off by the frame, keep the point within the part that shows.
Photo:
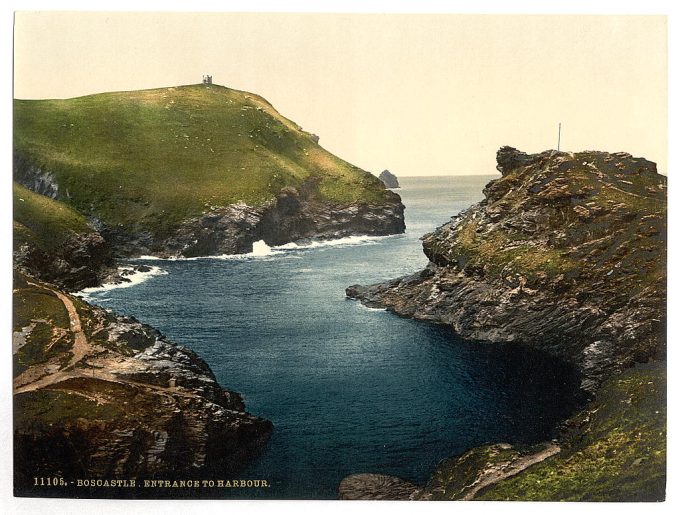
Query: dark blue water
(350,389)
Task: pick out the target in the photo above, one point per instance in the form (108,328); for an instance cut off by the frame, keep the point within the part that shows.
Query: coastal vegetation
(145,160)
(566,253)
(44,222)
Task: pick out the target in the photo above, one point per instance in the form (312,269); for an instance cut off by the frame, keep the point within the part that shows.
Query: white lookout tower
(207,79)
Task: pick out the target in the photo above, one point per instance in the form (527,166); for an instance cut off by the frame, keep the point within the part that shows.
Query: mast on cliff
(559,135)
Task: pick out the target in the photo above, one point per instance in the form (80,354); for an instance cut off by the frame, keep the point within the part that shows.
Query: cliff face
(81,261)
(104,396)
(54,243)
(296,214)
(566,253)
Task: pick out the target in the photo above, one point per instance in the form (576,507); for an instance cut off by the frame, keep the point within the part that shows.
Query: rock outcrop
(80,261)
(376,487)
(565,253)
(54,243)
(294,215)
(35,178)
(101,396)
(389,179)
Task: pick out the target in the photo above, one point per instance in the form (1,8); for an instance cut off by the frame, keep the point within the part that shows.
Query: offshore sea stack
(389,179)
(566,253)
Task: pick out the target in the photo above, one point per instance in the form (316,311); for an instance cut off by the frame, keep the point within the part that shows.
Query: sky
(420,95)
(433,94)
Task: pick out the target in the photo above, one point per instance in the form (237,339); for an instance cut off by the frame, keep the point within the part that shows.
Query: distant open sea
(349,389)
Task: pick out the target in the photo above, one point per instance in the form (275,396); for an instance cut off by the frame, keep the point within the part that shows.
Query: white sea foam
(370,308)
(153,258)
(263,251)
(347,241)
(134,277)
(260,250)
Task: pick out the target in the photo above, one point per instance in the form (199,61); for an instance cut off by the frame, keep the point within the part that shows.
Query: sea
(349,389)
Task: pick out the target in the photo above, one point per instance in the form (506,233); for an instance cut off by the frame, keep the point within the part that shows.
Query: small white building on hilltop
(207,79)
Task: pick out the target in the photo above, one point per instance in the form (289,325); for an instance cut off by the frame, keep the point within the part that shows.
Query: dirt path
(42,382)
(80,343)
(80,348)
(495,475)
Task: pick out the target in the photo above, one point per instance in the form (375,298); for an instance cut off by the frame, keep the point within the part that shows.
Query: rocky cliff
(101,396)
(296,214)
(567,253)
(54,243)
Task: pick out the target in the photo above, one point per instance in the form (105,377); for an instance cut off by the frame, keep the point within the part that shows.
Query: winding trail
(26,382)
(80,348)
(497,474)
(80,343)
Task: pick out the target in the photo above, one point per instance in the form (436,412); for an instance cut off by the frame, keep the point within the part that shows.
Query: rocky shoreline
(541,262)
(104,396)
(82,261)
(566,253)
(294,215)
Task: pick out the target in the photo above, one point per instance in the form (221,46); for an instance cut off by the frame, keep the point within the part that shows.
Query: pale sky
(417,94)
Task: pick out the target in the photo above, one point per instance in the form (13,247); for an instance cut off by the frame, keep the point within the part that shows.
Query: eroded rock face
(35,178)
(295,215)
(81,261)
(104,396)
(566,253)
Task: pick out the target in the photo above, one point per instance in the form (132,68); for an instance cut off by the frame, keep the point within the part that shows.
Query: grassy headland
(148,159)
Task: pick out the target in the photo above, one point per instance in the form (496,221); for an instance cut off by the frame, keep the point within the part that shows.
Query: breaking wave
(130,276)
(263,251)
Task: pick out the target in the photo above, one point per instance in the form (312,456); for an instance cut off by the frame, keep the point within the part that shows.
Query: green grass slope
(615,450)
(44,222)
(618,454)
(147,159)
